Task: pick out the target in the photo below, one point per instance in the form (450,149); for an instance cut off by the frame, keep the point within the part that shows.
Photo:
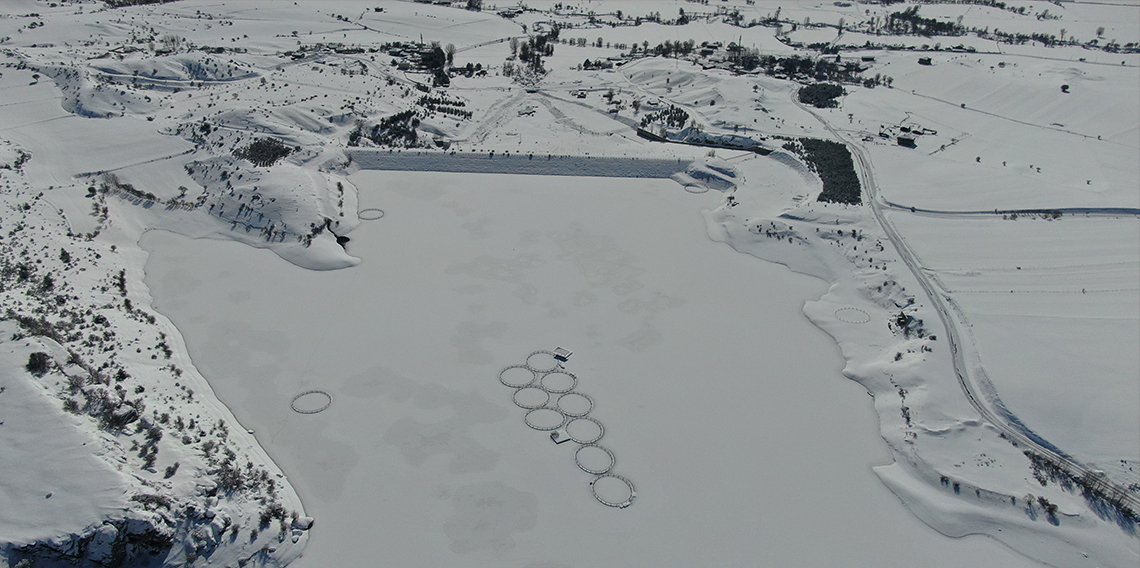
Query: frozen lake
(721,402)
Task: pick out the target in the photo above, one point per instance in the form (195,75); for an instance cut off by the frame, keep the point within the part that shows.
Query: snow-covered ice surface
(207,212)
(702,369)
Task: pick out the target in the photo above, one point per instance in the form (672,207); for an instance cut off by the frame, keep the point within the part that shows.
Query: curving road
(978,390)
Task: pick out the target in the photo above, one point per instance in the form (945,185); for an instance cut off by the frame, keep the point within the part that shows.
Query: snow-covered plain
(133,213)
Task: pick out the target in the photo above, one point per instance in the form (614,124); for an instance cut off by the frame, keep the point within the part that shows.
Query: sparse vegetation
(398,130)
(674,117)
(111,183)
(821,95)
(152,501)
(1106,501)
(909,22)
(123,3)
(535,48)
(39,363)
(264,152)
(444,105)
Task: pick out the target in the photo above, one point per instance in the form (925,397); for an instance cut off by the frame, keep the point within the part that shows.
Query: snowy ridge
(172,500)
(172,70)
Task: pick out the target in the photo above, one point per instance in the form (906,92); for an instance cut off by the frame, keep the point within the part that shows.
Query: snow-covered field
(1045,283)
(211,209)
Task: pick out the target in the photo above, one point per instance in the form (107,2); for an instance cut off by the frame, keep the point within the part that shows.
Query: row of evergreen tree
(832,162)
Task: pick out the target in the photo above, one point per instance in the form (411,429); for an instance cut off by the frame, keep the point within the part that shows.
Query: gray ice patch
(488,515)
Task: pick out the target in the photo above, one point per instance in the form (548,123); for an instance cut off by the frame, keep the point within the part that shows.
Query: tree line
(832,162)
